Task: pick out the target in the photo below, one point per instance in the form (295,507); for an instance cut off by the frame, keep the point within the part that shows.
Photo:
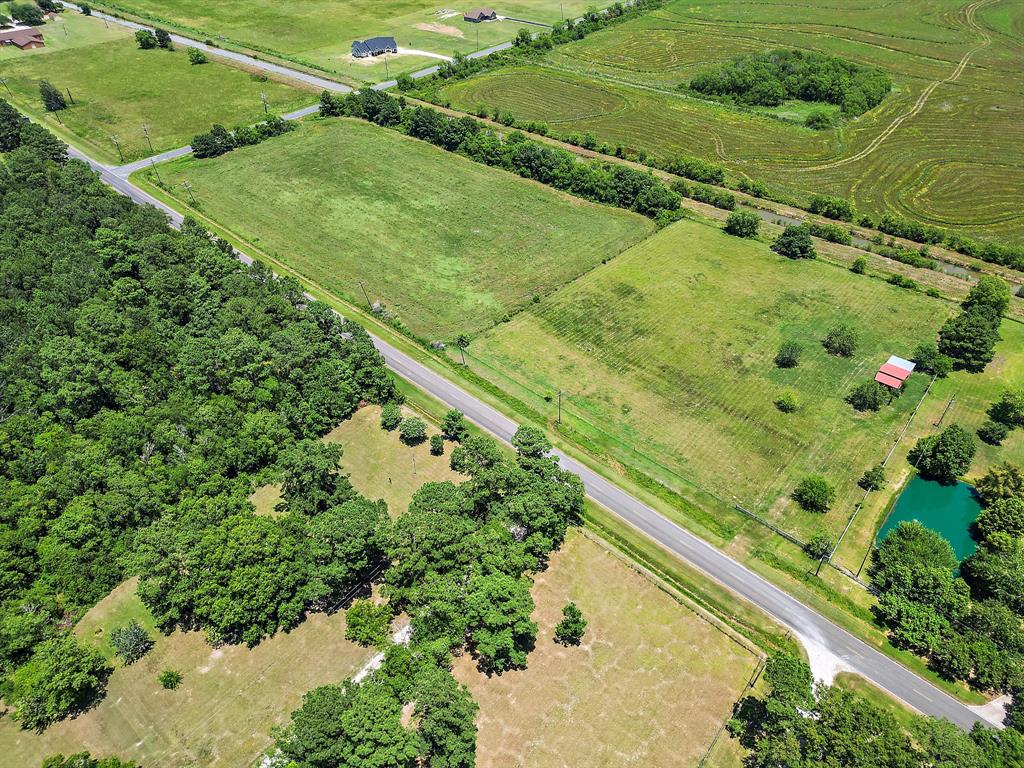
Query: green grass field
(448,244)
(952,160)
(118,88)
(321,34)
(667,357)
(650,684)
(69,30)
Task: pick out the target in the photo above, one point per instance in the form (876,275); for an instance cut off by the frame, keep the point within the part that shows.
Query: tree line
(148,382)
(219,140)
(768,79)
(602,182)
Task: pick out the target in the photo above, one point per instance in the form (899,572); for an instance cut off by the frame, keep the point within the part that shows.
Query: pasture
(221,715)
(649,685)
(320,34)
(449,245)
(116,89)
(667,353)
(941,148)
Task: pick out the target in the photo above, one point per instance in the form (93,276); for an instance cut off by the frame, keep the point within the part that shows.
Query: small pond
(947,509)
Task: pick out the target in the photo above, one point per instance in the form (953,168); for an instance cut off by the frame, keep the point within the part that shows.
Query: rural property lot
(221,715)
(451,245)
(954,161)
(667,356)
(649,686)
(321,34)
(118,88)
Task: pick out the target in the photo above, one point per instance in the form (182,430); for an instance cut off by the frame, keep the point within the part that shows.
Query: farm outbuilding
(25,38)
(480,14)
(375,46)
(894,372)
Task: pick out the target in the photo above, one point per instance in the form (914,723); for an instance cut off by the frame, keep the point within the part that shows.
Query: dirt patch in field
(441,29)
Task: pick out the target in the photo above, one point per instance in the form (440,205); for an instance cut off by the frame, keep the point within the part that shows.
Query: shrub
(85,9)
(819,545)
(1009,409)
(930,360)
(170,679)
(814,494)
(454,427)
(197,56)
(795,243)
(412,430)
(946,456)
(1005,516)
(406,83)
(163,39)
(53,99)
(819,120)
(838,208)
(145,39)
(788,355)
(436,445)
(569,631)
(840,340)
(859,266)
(742,224)
(873,479)
(900,281)
(390,416)
(993,432)
(786,402)
(697,169)
(867,396)
(831,232)
(130,642)
(367,623)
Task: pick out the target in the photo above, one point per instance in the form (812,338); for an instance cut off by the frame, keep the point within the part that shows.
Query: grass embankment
(621,84)
(117,89)
(450,245)
(320,35)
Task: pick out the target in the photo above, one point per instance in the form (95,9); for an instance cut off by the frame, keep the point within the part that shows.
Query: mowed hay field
(942,148)
(320,34)
(118,88)
(649,686)
(220,716)
(667,356)
(447,243)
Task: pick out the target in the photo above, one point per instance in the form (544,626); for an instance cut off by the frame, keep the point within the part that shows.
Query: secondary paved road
(811,627)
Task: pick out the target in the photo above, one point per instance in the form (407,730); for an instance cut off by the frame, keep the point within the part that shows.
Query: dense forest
(768,79)
(148,381)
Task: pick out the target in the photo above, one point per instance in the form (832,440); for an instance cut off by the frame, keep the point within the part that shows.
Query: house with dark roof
(24,38)
(375,46)
(480,14)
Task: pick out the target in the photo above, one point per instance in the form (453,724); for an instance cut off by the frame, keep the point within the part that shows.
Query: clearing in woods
(650,684)
(667,354)
(116,88)
(941,148)
(320,35)
(449,245)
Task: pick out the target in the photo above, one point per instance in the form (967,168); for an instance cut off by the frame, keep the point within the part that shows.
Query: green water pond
(949,510)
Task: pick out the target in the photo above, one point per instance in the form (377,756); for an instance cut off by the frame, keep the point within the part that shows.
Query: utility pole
(145,132)
(560,393)
(3,82)
(188,188)
(113,138)
(363,288)
(263,98)
(70,97)
(153,165)
(387,73)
